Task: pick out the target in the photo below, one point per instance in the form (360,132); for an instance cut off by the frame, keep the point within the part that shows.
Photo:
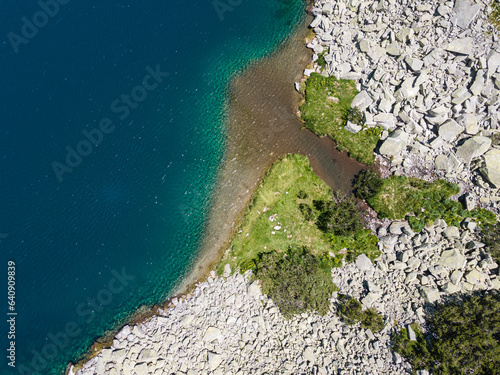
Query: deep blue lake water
(111,135)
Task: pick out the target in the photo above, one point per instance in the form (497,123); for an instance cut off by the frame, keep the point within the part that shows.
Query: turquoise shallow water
(121,229)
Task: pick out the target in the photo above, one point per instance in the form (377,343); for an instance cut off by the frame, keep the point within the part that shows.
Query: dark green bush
(355,116)
(490,235)
(464,338)
(321,60)
(349,310)
(307,211)
(339,216)
(367,184)
(302,195)
(295,281)
(416,352)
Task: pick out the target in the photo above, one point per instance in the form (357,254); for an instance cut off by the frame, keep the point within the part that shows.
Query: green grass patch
(418,201)
(276,203)
(325,111)
(464,338)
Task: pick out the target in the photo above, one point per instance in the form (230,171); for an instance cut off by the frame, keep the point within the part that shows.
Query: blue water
(107,232)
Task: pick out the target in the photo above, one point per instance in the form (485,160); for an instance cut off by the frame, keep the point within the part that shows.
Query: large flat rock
(491,168)
(465,12)
(473,148)
(461,46)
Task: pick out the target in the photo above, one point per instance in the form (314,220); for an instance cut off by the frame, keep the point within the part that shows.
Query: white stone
(461,46)
(491,168)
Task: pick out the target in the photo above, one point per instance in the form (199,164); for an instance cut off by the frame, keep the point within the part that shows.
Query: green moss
(321,60)
(490,235)
(328,100)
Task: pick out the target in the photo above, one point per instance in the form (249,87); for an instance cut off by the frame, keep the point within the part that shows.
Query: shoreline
(270,138)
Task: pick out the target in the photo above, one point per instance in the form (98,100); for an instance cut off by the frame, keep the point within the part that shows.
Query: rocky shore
(226,326)
(427,73)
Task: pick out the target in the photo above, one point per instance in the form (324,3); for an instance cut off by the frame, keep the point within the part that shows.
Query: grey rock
(473,148)
(364,263)
(211,334)
(414,64)
(478,85)
(493,62)
(387,120)
(452,259)
(254,289)
(394,49)
(362,100)
(369,299)
(411,333)
(460,46)
(397,227)
(470,123)
(395,143)
(227,270)
(430,294)
(456,276)
(476,277)
(465,13)
(452,232)
(491,168)
(214,360)
(353,128)
(450,130)
(447,163)
(450,288)
(327,9)
(316,21)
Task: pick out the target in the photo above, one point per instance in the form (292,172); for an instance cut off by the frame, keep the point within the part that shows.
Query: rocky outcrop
(428,73)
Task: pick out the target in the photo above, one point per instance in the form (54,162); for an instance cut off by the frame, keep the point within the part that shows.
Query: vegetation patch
(275,219)
(464,338)
(494,17)
(418,201)
(295,208)
(350,311)
(325,112)
(296,281)
(490,235)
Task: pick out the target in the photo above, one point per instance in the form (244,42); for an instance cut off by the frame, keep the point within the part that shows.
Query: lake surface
(112,132)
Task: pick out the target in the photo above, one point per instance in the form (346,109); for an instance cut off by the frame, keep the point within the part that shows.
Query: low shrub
(350,311)
(339,216)
(295,281)
(490,235)
(367,184)
(464,338)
